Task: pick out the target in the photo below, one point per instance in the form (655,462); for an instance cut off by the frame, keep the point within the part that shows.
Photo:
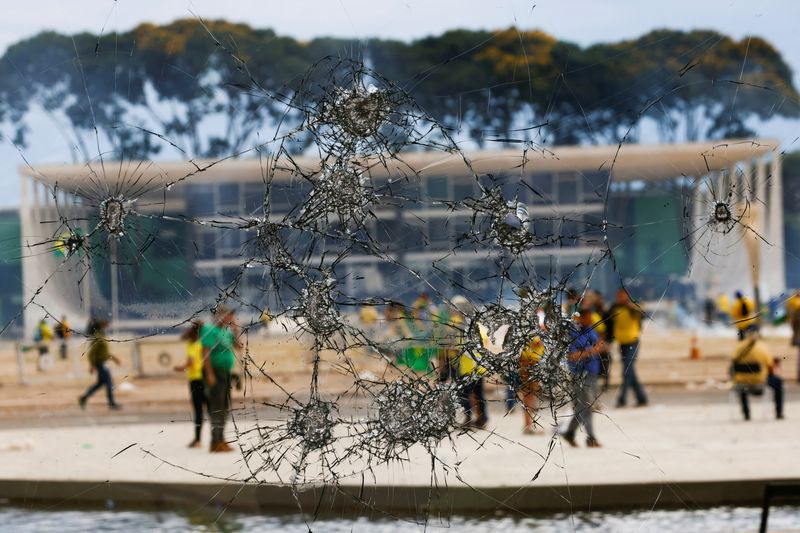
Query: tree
(218,88)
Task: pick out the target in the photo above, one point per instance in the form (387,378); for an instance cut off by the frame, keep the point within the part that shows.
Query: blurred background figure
(754,368)
(743,314)
(709,311)
(529,388)
(600,314)
(64,333)
(98,356)
(266,320)
(42,337)
(452,337)
(219,340)
(793,318)
(368,315)
(194,373)
(627,329)
(584,366)
(723,308)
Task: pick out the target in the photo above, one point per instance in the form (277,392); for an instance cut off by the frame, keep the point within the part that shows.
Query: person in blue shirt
(584,365)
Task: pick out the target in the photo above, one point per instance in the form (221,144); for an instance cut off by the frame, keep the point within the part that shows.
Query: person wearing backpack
(743,314)
(752,369)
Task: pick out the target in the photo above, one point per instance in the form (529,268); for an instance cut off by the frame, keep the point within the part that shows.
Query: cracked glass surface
(351,240)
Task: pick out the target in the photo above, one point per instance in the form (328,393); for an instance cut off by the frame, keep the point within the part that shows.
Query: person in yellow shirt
(470,375)
(723,308)
(194,373)
(529,388)
(793,318)
(743,314)
(626,319)
(43,336)
(753,367)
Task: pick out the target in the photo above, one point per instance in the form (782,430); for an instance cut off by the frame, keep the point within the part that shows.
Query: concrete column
(26,200)
(761,192)
(748,190)
(736,184)
(723,187)
(699,208)
(701,198)
(776,259)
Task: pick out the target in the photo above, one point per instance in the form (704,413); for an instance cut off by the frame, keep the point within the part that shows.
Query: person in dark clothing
(98,356)
(63,332)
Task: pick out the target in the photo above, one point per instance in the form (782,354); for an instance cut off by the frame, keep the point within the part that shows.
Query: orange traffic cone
(694,351)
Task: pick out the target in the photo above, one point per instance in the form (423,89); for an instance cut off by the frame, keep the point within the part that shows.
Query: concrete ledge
(400,500)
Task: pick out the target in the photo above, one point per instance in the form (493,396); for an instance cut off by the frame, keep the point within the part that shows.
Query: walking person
(219,340)
(584,366)
(63,332)
(98,356)
(194,372)
(627,329)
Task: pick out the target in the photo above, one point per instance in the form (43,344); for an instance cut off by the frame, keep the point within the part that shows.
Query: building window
(206,243)
(254,198)
(228,197)
(594,184)
(231,243)
(285,196)
(567,188)
(201,200)
(436,188)
(438,231)
(543,185)
(463,188)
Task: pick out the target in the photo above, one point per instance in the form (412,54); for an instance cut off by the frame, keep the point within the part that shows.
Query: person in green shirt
(98,356)
(219,340)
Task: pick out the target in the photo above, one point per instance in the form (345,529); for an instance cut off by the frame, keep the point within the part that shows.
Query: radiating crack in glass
(404,389)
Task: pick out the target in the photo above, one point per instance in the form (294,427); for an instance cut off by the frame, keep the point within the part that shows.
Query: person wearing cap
(98,356)
(584,366)
(219,340)
(752,368)
(743,314)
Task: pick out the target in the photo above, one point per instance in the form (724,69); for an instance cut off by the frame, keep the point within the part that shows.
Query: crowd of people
(596,328)
(211,354)
(43,337)
(209,366)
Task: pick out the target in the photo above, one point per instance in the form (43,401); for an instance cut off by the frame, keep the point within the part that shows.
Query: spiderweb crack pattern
(365,131)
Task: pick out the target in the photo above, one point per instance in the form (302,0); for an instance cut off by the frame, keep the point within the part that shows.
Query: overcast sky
(581,21)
